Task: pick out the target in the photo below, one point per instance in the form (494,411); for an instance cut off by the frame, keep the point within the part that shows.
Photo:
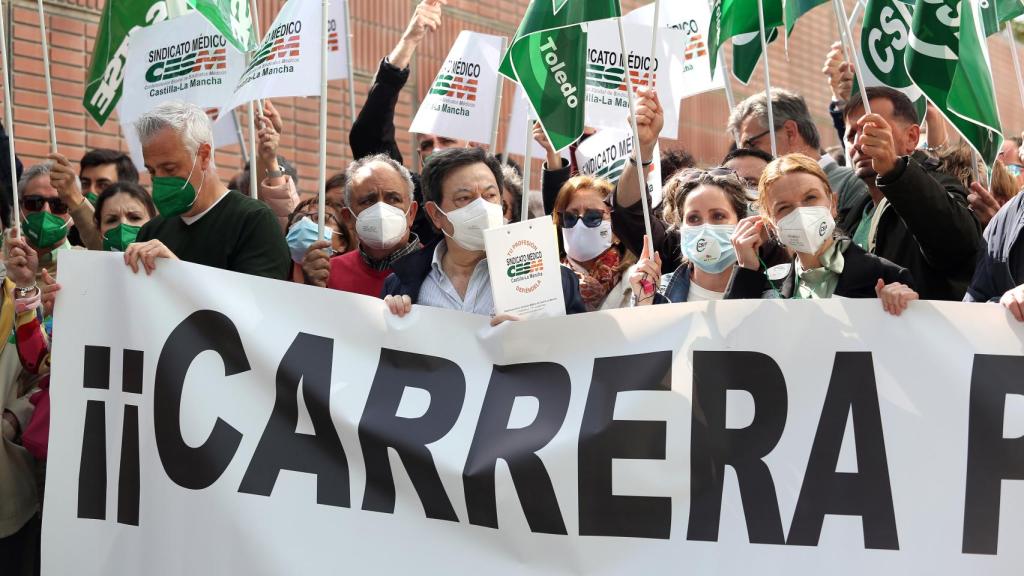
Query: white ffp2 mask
(470,221)
(806,229)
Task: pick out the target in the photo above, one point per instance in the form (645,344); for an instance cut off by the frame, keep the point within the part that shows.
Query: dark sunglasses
(36,203)
(749,142)
(591,218)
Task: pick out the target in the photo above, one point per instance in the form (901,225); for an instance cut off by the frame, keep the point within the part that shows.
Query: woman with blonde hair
(798,206)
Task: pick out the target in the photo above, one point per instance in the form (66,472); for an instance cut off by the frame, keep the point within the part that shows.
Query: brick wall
(377,25)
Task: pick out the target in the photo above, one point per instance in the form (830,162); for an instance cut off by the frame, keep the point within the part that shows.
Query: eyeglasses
(36,203)
(696,174)
(591,218)
(749,142)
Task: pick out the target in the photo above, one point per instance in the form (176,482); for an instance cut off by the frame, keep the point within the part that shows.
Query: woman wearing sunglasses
(592,250)
(703,207)
(798,205)
(303,228)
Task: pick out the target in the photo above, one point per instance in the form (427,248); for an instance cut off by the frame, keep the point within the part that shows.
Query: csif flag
(547,57)
(883,44)
(948,60)
(231,18)
(110,50)
(287,61)
(738,19)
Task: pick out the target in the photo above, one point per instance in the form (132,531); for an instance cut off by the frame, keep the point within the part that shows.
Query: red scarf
(602,275)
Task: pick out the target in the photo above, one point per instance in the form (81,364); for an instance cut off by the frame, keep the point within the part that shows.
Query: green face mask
(174,196)
(92,198)
(45,230)
(117,239)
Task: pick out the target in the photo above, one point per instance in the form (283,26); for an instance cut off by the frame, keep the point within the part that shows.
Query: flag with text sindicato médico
(547,57)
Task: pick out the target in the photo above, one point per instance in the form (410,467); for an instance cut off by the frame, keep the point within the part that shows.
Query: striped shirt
(438,291)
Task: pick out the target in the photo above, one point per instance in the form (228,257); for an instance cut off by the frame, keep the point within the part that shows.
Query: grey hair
(786,106)
(365,161)
(42,169)
(188,121)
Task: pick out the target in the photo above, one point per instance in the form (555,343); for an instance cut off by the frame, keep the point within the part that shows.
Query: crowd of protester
(894,213)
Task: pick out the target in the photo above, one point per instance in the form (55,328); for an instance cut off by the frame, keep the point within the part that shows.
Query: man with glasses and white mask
(462,188)
(200,220)
(379,199)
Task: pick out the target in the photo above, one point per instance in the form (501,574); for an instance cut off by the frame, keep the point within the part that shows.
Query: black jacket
(927,228)
(1001,259)
(861,272)
(6,194)
(373,132)
(409,272)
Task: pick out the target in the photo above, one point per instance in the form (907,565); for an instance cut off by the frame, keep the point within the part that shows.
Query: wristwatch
(24,292)
(275,173)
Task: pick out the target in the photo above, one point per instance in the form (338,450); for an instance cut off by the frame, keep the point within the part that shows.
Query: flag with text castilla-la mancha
(110,51)
(547,58)
(287,61)
(947,58)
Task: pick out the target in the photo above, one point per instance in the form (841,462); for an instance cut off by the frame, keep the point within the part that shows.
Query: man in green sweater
(200,220)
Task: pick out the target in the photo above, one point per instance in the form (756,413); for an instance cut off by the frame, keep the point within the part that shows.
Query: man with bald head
(379,201)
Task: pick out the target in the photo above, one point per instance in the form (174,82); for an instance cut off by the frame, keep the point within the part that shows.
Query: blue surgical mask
(301,236)
(709,247)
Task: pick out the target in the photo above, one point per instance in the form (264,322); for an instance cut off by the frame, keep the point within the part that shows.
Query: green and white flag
(738,19)
(231,18)
(995,12)
(948,60)
(797,8)
(548,59)
(746,53)
(883,43)
(106,70)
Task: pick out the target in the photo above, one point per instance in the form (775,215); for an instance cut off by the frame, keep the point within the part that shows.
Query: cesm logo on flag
(333,43)
(277,54)
(201,61)
(606,76)
(457,84)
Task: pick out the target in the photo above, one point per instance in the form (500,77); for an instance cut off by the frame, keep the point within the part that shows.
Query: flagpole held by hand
(351,81)
(46,76)
(1016,61)
(527,164)
(767,77)
(321,192)
(636,138)
(9,121)
(846,36)
(497,104)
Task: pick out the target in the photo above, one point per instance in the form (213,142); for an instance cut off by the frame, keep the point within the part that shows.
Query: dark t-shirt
(238,234)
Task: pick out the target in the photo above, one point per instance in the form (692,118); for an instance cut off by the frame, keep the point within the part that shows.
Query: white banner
(460,102)
(607,102)
(200,431)
(287,62)
(337,60)
(606,155)
(692,20)
(183,59)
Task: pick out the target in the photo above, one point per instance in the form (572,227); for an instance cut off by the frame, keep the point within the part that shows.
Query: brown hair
(689,179)
(783,166)
(1004,185)
(575,185)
